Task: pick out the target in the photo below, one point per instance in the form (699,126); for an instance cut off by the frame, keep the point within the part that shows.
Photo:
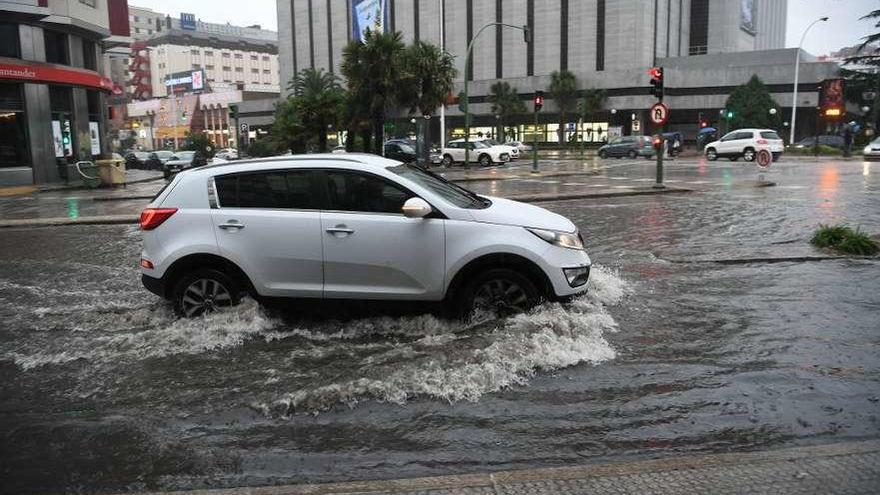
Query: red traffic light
(539,100)
(657,141)
(704,124)
(656,73)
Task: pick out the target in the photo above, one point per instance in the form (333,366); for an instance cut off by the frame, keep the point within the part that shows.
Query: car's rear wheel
(497,292)
(485,160)
(204,290)
(711,154)
(447,160)
(749,155)
(632,154)
(603,154)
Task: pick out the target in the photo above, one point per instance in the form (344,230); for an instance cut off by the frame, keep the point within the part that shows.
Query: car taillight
(763,141)
(154,217)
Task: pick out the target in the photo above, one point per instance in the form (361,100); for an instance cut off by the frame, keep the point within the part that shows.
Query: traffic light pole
(535,145)
(467,61)
(660,149)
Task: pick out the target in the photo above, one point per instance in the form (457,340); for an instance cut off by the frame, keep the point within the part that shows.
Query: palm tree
(428,76)
(563,90)
(374,75)
(317,97)
(591,103)
(505,103)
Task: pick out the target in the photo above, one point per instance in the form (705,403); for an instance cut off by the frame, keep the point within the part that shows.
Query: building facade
(607,44)
(54,84)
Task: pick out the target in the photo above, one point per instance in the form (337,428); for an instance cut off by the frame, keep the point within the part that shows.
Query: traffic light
(657,82)
(233,111)
(728,114)
(704,124)
(539,100)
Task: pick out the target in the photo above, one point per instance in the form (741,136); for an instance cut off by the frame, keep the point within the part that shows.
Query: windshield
(481,145)
(185,155)
(164,154)
(450,192)
(406,148)
(492,142)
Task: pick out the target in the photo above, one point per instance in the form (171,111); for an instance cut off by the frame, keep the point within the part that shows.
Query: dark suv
(628,146)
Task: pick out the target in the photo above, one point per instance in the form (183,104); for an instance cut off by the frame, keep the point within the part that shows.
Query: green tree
(428,76)
(198,141)
(317,99)
(868,52)
(288,130)
(591,102)
(750,105)
(505,103)
(374,75)
(563,90)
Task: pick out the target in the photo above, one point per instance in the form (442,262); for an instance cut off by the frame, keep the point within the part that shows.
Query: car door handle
(230,225)
(340,229)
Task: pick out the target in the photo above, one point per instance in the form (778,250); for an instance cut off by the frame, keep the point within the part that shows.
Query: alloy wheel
(204,295)
(501,296)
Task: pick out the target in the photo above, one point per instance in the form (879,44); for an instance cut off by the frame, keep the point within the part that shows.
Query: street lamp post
(467,59)
(797,64)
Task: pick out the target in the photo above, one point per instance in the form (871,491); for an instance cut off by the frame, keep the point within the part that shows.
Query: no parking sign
(764,158)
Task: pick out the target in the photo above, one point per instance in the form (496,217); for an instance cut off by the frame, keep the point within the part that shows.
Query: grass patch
(845,240)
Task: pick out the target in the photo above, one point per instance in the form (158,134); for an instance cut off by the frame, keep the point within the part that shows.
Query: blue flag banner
(368,15)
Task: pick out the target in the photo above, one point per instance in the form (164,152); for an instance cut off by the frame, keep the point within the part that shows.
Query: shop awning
(39,72)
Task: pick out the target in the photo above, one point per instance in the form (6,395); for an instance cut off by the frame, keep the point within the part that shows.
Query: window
(56,47)
(254,57)
(267,71)
(255,71)
(137,30)
(279,189)
(209,53)
(699,28)
(209,67)
(770,135)
(90,3)
(226,68)
(225,55)
(265,58)
(90,59)
(452,193)
(194,52)
(196,66)
(351,191)
(136,19)
(13,143)
(149,31)
(239,69)
(9,43)
(238,56)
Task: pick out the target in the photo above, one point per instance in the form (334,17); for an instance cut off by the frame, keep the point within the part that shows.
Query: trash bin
(112,172)
(88,172)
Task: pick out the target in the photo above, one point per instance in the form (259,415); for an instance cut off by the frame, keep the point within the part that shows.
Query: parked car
(227,154)
(513,150)
(628,146)
(744,143)
(521,146)
(400,151)
(338,149)
(824,140)
(181,161)
(353,227)
(136,159)
(480,152)
(872,150)
(156,159)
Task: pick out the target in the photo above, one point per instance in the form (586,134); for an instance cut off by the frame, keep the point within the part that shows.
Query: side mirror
(416,208)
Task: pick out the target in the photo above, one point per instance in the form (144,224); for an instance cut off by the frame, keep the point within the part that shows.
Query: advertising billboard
(188,21)
(182,82)
(831,99)
(747,17)
(368,15)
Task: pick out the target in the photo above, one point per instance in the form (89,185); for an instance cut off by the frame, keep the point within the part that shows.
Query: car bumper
(559,263)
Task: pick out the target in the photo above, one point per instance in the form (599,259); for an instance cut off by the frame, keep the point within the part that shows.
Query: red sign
(764,158)
(39,72)
(659,114)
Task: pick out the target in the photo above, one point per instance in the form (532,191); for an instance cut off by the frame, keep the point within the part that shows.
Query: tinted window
(277,189)
(349,191)
(744,135)
(56,47)
(769,135)
(9,44)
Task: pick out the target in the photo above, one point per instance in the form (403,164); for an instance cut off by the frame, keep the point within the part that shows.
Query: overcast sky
(843,29)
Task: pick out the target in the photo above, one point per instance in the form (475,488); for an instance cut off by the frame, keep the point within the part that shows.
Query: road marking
(696,182)
(619,178)
(647,180)
(574,184)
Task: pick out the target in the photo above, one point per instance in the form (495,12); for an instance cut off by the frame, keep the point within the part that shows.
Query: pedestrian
(847,141)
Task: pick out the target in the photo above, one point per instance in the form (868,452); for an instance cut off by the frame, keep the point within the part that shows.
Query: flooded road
(679,346)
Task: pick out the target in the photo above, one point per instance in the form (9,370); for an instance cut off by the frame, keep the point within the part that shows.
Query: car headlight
(867,149)
(561,239)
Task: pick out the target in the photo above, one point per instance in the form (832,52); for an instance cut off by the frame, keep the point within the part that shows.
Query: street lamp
(797,64)
(772,111)
(467,59)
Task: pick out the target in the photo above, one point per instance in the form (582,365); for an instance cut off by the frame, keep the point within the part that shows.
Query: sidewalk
(558,180)
(851,468)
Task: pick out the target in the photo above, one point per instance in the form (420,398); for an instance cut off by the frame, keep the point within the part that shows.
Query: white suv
(745,143)
(352,227)
(481,152)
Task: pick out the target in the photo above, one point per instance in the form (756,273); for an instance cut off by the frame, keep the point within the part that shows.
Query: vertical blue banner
(372,15)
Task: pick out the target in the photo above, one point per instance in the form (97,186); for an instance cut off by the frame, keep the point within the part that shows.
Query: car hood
(178,162)
(508,212)
(713,143)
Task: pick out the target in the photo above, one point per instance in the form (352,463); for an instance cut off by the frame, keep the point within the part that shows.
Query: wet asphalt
(696,336)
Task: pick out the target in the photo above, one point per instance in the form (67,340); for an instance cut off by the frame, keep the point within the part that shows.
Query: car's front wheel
(485,160)
(496,293)
(603,154)
(447,160)
(631,154)
(204,290)
(711,154)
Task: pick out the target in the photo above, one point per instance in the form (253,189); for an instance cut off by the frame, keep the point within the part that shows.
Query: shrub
(845,240)
(811,150)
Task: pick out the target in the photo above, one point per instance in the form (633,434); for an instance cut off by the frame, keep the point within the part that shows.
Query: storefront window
(62,122)
(13,137)
(94,105)
(9,42)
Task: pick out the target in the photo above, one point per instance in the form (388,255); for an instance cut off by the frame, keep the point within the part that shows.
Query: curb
(540,198)
(59,221)
(120,198)
(557,474)
(48,189)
